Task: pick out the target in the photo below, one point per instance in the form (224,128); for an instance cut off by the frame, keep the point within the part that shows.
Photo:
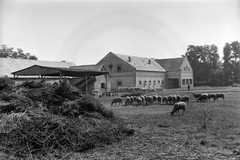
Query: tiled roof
(9,65)
(92,67)
(141,63)
(171,64)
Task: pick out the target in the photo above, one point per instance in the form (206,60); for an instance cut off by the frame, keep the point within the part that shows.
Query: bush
(55,118)
(6,83)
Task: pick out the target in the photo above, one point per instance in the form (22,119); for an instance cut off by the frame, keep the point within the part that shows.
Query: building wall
(150,80)
(125,76)
(173,79)
(186,74)
(100,80)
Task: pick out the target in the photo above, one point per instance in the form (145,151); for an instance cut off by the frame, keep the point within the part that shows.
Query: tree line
(8,52)
(209,69)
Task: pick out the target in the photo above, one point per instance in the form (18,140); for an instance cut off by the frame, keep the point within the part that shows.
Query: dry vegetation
(82,128)
(161,136)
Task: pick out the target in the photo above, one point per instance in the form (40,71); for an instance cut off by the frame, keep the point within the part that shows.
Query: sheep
(178,106)
(155,97)
(159,99)
(213,96)
(178,98)
(220,95)
(204,97)
(117,100)
(143,99)
(164,99)
(127,101)
(196,95)
(174,98)
(169,100)
(185,99)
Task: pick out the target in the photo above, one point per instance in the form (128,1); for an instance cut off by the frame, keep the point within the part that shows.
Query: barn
(101,84)
(133,71)
(179,73)
(147,73)
(52,71)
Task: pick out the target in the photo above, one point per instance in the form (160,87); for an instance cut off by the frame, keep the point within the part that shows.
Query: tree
(8,52)
(231,55)
(205,63)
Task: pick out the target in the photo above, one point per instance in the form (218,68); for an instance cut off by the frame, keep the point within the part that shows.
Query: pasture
(161,136)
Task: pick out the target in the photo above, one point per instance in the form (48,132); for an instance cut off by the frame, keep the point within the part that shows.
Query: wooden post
(86,83)
(106,84)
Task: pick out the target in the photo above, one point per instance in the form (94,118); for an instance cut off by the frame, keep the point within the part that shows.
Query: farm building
(22,69)
(132,71)
(9,65)
(147,73)
(179,73)
(100,84)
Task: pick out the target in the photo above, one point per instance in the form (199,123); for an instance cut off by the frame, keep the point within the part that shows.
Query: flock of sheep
(178,101)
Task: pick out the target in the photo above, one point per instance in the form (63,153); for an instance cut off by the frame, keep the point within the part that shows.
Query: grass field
(161,136)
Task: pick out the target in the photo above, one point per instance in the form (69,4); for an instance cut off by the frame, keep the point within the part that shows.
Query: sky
(83,32)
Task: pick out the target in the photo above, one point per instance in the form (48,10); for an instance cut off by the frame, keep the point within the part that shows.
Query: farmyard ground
(161,136)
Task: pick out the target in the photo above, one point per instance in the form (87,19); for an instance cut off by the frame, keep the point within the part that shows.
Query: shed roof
(9,65)
(92,67)
(141,63)
(56,71)
(171,64)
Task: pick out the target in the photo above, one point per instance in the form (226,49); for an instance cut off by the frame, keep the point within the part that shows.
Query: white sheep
(178,106)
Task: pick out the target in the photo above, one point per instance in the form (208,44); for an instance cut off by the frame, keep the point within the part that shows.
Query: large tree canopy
(8,52)
(205,63)
(231,62)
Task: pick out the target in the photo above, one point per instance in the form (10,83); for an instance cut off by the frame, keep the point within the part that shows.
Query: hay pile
(40,118)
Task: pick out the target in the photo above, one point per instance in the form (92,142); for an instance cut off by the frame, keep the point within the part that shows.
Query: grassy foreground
(161,136)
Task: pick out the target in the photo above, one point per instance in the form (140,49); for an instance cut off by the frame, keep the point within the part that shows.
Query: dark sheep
(170,99)
(127,101)
(174,99)
(159,99)
(220,95)
(116,100)
(196,95)
(185,99)
(165,98)
(178,98)
(203,97)
(213,96)
(179,106)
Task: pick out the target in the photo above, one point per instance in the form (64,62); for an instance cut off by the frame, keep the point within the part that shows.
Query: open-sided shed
(43,71)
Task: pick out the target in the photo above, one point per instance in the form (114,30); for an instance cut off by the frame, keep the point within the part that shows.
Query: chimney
(149,61)
(129,59)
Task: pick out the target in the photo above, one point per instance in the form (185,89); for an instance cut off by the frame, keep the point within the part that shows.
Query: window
(145,83)
(159,82)
(162,81)
(119,69)
(187,81)
(119,83)
(110,67)
(183,82)
(150,83)
(190,81)
(154,82)
(102,85)
(140,83)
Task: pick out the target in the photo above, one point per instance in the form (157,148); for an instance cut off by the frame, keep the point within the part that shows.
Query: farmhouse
(133,71)
(179,73)
(147,73)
